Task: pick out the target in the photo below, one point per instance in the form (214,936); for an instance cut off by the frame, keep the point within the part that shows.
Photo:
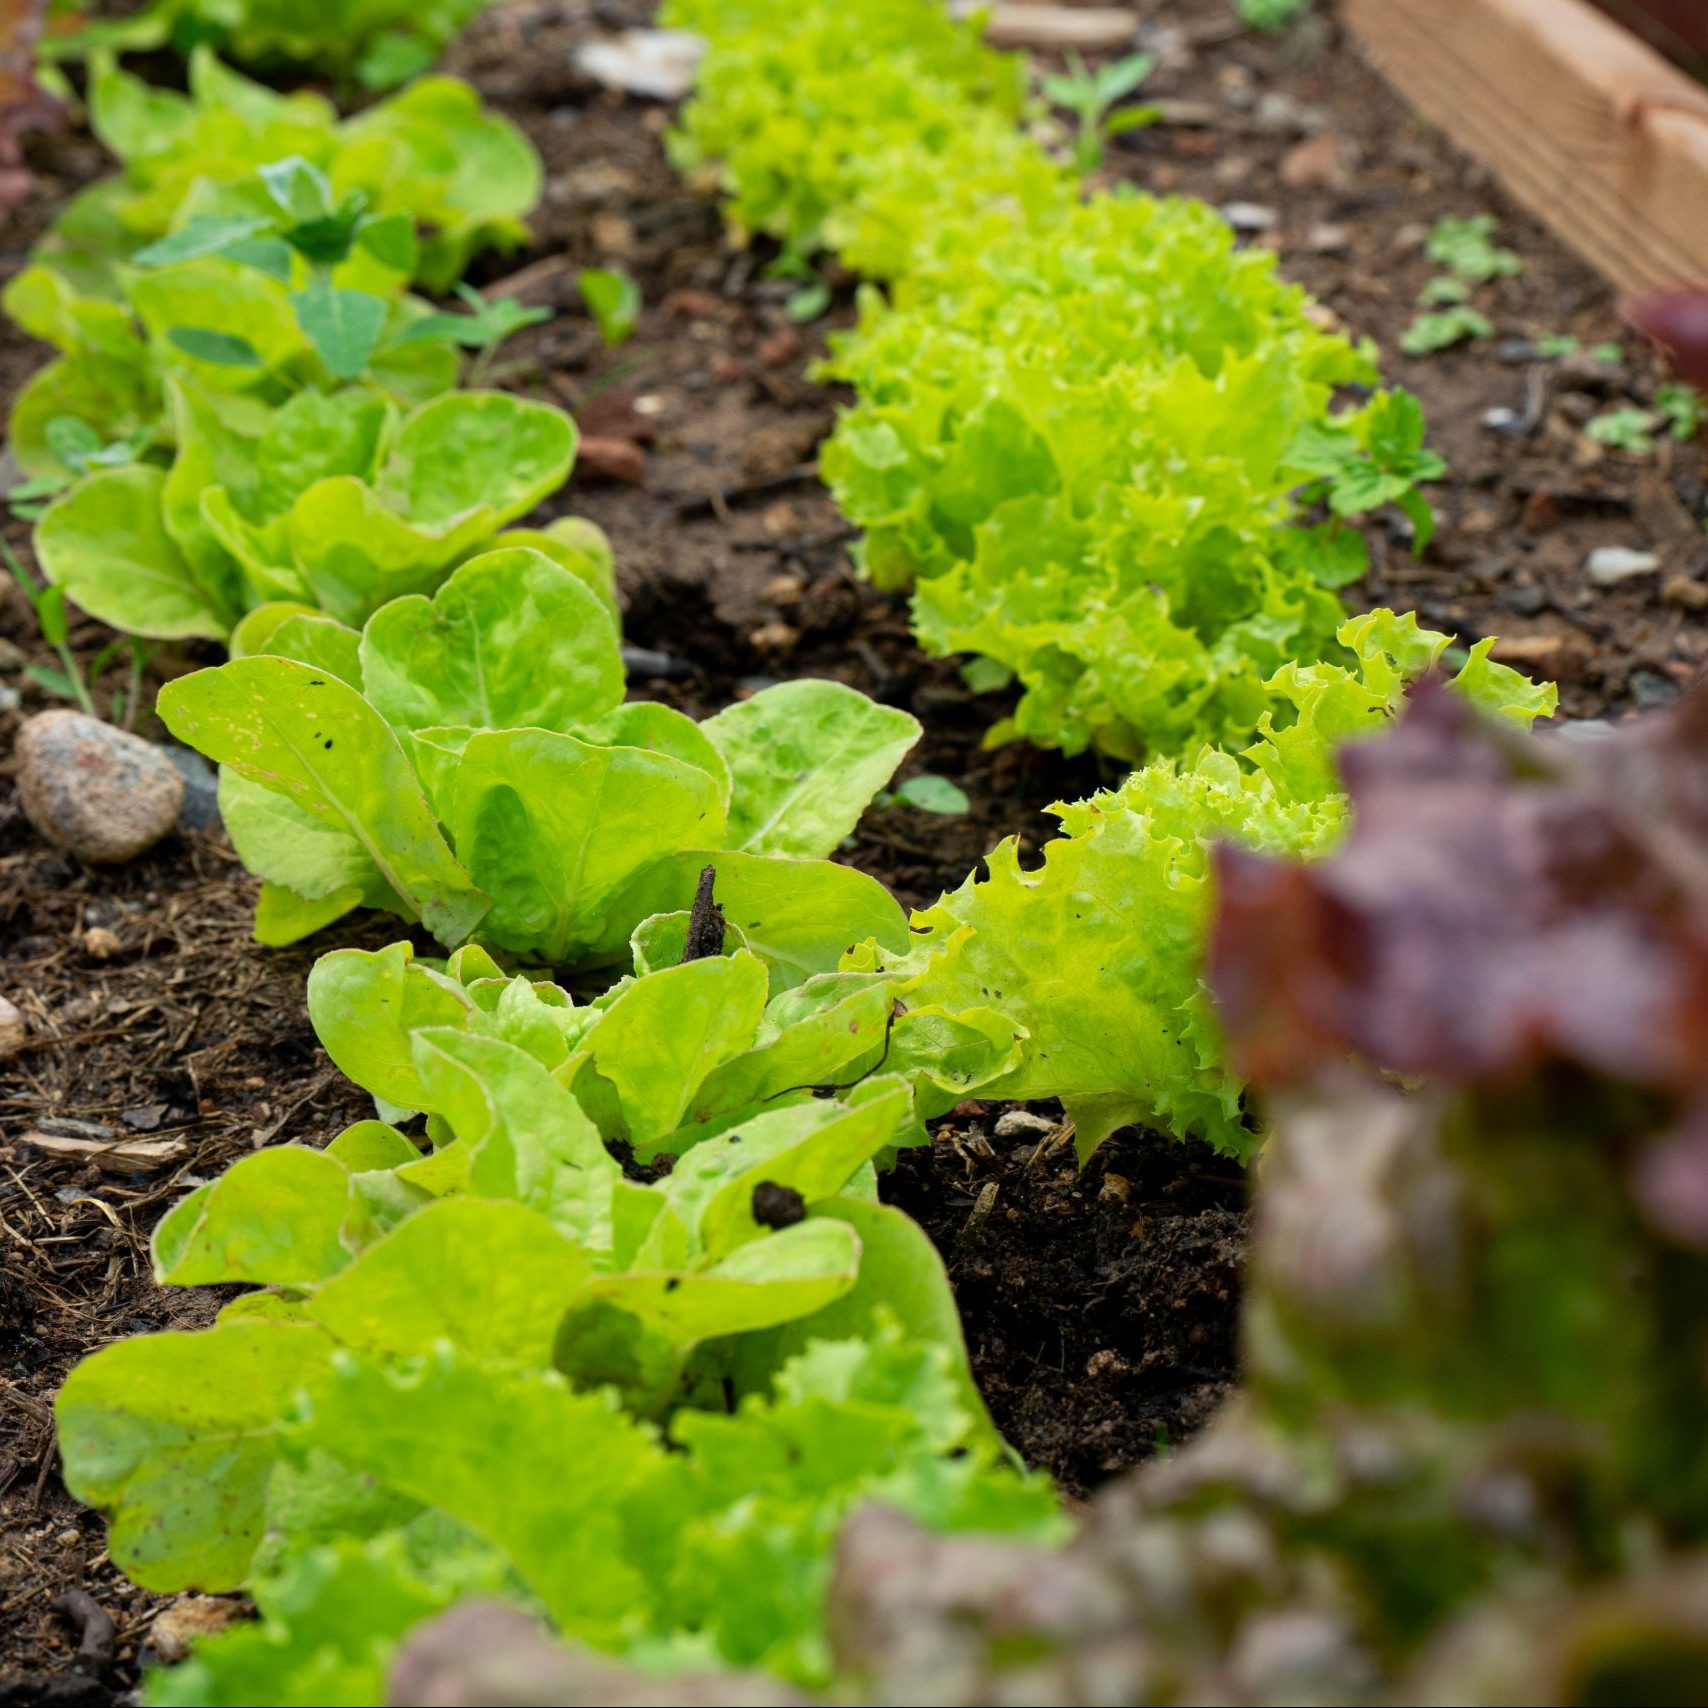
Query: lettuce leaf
(1096,956)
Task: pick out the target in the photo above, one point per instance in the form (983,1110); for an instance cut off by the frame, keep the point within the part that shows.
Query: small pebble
(1685,594)
(14,1029)
(1650,689)
(1023,1124)
(1613,564)
(97,792)
(100,944)
(1249,216)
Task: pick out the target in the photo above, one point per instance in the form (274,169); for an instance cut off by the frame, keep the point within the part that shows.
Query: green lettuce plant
(467,760)
(1095,453)
(1103,444)
(377,43)
(501,1365)
(1096,955)
(467,177)
(854,130)
(336,499)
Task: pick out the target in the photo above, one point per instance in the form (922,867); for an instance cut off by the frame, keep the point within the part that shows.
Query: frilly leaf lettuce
(1095,956)
(1085,460)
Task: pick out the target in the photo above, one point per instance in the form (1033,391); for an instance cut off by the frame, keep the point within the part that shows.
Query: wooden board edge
(1586,125)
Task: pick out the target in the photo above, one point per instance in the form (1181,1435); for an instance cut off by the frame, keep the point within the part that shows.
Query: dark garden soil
(1100,1305)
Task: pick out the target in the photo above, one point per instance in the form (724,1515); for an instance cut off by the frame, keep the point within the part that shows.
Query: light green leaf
(798,916)
(510,640)
(484,451)
(552,827)
(575,544)
(366,1007)
(174,1436)
(105,543)
(277,1218)
(285,630)
(368,1146)
(503,1454)
(614,301)
(769,1281)
(806,759)
(660,729)
(283,917)
(814,1150)
(525,1137)
(313,739)
(663,1035)
(417,1286)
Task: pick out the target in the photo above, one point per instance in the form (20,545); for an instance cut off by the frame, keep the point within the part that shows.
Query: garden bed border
(1586,124)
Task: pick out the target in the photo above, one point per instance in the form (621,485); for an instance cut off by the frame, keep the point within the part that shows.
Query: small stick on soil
(98,1635)
(705,922)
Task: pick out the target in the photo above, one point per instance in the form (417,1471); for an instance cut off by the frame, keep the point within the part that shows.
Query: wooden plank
(1588,127)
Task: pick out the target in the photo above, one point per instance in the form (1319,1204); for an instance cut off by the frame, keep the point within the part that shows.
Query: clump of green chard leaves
(502,1367)
(1095,452)
(1096,956)
(467,760)
(376,43)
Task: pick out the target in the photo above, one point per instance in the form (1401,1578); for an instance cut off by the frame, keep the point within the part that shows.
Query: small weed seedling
(1466,247)
(70,682)
(614,301)
(1091,96)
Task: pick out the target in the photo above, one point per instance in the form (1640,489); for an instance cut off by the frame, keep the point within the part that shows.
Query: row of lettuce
(1108,450)
(480,1357)
(477,1356)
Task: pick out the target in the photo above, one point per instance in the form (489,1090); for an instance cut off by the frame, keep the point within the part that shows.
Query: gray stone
(201,789)
(1023,1124)
(95,791)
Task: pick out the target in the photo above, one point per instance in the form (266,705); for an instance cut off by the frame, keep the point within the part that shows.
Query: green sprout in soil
(1467,248)
(1093,97)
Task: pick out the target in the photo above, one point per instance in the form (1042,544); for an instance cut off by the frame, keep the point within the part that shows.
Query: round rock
(98,792)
